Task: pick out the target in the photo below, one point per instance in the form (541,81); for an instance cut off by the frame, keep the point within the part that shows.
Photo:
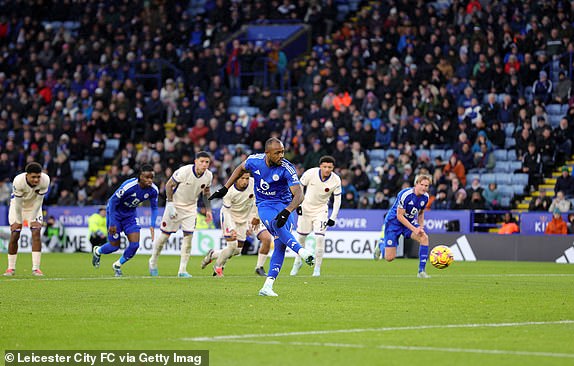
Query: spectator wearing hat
(565,183)
(562,92)
(557,226)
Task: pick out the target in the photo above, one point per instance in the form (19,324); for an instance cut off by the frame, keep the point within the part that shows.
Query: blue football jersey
(271,182)
(130,195)
(412,204)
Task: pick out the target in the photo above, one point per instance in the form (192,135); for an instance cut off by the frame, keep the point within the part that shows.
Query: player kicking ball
(321,183)
(277,194)
(238,215)
(406,218)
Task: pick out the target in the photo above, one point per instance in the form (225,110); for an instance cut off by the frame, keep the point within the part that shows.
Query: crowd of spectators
(404,75)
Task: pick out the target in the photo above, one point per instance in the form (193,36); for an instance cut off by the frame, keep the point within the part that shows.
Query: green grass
(371,303)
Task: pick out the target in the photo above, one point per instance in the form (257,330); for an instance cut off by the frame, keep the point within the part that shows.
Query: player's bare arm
(238,172)
(207,203)
(298,197)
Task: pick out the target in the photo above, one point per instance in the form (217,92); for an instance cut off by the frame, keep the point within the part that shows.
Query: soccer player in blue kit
(122,216)
(277,194)
(406,218)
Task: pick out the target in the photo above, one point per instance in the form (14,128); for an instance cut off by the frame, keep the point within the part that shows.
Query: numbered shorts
(315,222)
(184,219)
(27,215)
(393,231)
(127,224)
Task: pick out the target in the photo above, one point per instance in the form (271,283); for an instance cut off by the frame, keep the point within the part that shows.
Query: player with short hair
(122,216)
(182,191)
(406,218)
(238,216)
(277,194)
(28,191)
(321,183)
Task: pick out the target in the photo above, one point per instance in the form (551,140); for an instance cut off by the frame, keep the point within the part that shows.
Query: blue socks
(277,259)
(129,252)
(108,248)
(423,255)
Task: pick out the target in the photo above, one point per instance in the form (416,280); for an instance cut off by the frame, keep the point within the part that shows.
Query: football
(441,257)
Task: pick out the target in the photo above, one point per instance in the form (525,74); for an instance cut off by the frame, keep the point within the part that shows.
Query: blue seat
(78,175)
(395,152)
(506,190)
(518,189)
(501,167)
(377,154)
(501,179)
(112,144)
(509,129)
(515,165)
(487,178)
(510,142)
(519,178)
(109,153)
(511,155)
(554,109)
(500,155)
(438,152)
(505,201)
(421,151)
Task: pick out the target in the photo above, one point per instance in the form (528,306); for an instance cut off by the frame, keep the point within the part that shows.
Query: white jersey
(189,187)
(319,191)
(30,195)
(240,205)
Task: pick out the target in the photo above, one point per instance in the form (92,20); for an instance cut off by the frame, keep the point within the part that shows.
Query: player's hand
(299,210)
(255,223)
(220,193)
(35,225)
(16,227)
(282,217)
(170,209)
(330,222)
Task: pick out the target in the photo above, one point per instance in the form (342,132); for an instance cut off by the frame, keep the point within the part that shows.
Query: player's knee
(389,257)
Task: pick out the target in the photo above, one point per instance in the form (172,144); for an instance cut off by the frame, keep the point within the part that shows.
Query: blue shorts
(394,230)
(127,224)
(267,215)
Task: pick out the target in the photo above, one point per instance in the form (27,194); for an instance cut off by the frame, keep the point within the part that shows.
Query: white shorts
(185,220)
(27,215)
(312,222)
(240,229)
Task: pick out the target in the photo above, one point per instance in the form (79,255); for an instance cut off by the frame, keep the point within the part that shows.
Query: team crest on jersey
(146,196)
(411,203)
(275,177)
(251,196)
(326,189)
(422,204)
(202,186)
(163,223)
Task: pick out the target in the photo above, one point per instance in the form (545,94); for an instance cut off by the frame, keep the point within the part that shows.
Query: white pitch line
(408,348)
(362,330)
(7,280)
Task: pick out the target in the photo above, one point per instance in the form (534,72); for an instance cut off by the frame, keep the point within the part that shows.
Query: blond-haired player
(28,190)
(238,216)
(320,183)
(182,191)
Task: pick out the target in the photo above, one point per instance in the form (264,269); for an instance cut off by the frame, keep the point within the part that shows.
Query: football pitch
(357,313)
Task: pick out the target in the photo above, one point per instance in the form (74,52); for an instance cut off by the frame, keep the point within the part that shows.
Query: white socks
(12,261)
(158,245)
(226,253)
(269,282)
(319,251)
(261,258)
(185,253)
(36,256)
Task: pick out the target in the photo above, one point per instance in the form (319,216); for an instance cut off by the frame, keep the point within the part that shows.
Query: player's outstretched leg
(207,259)
(128,254)
(158,245)
(379,250)
(104,249)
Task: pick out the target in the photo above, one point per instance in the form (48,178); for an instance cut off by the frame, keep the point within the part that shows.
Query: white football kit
(189,187)
(316,203)
(31,199)
(238,210)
